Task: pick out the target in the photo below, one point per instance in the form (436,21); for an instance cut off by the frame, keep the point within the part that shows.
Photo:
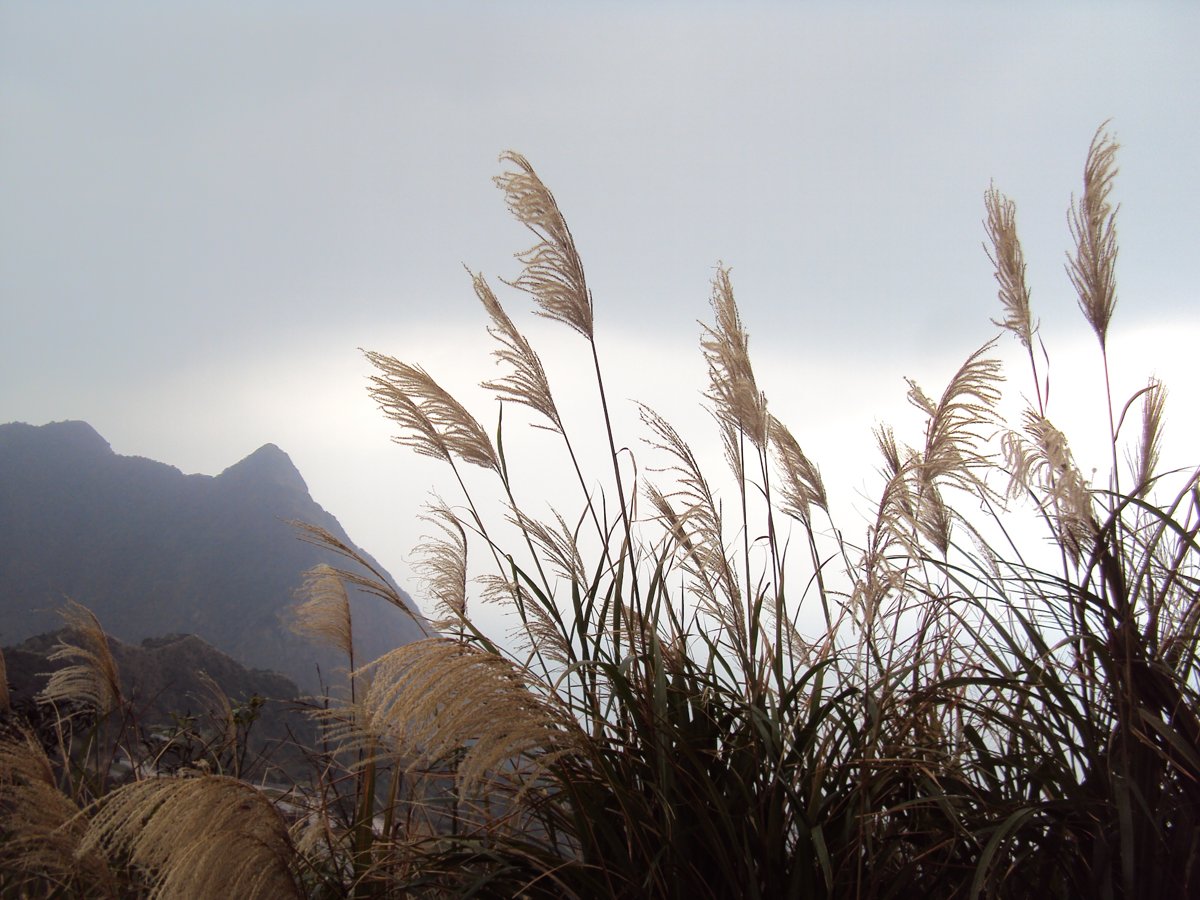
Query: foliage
(976,717)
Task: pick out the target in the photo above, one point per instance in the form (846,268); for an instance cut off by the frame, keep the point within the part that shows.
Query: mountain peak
(266,465)
(152,551)
(71,436)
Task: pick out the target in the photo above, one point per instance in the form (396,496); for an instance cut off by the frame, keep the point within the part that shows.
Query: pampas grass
(93,680)
(197,837)
(435,699)
(42,830)
(998,699)
(553,272)
(1093,226)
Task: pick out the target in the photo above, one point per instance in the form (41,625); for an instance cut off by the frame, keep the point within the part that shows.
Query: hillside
(160,678)
(153,551)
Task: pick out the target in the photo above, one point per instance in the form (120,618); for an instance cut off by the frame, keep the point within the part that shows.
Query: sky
(208,209)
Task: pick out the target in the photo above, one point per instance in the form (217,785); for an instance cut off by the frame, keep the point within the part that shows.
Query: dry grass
(198,837)
(967,721)
(93,681)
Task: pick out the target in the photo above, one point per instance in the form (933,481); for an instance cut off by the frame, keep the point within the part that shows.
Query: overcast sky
(206,208)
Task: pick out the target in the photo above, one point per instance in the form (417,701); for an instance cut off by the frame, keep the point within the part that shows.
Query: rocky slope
(152,551)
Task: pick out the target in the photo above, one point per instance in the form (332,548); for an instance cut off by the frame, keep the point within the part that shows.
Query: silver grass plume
(94,679)
(364,575)
(433,422)
(737,401)
(559,542)
(43,828)
(553,272)
(952,438)
(527,383)
(802,486)
(539,632)
(1145,464)
(712,573)
(1092,221)
(934,517)
(693,520)
(437,700)
(890,544)
(443,564)
(1009,262)
(324,612)
(952,451)
(1041,463)
(198,837)
(880,570)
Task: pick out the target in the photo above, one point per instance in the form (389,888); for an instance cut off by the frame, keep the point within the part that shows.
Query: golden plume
(696,525)
(802,484)
(1042,463)
(94,680)
(443,564)
(43,828)
(737,401)
(527,383)
(539,632)
(1154,402)
(438,700)
(198,837)
(553,272)
(952,438)
(1009,261)
(324,613)
(364,575)
(434,423)
(1093,226)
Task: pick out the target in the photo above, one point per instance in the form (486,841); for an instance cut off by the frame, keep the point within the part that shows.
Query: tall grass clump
(975,717)
(711,687)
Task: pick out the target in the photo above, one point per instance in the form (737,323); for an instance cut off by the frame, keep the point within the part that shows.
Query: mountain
(152,551)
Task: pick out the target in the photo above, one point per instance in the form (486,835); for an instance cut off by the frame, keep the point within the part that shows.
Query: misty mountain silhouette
(152,551)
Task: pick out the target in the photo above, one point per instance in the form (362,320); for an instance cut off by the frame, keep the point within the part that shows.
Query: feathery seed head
(198,837)
(42,827)
(539,631)
(553,272)
(559,543)
(436,698)
(364,575)
(1041,462)
(1009,261)
(527,383)
(443,563)
(952,432)
(434,423)
(324,614)
(1154,401)
(1092,221)
(696,526)
(736,398)
(802,484)
(94,680)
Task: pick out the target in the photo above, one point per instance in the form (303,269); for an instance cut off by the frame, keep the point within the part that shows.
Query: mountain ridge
(153,551)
